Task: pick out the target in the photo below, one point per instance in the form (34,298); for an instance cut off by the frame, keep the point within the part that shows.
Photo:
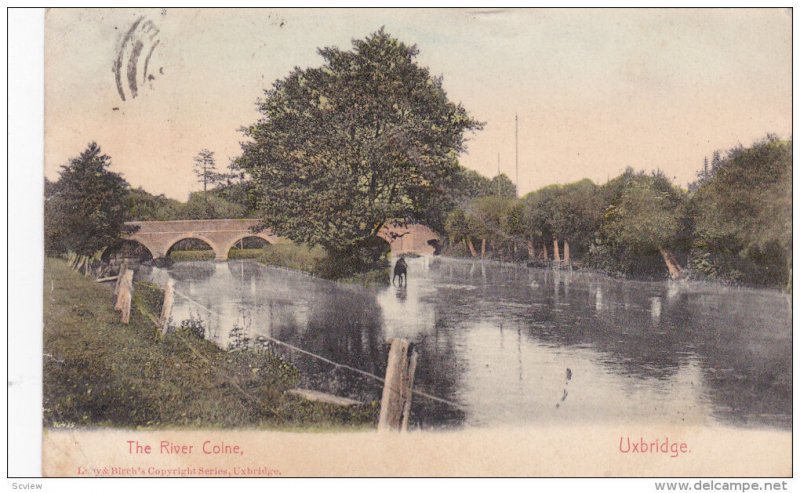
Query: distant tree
(576,213)
(537,213)
(502,186)
(366,140)
(716,160)
(487,219)
(454,193)
(210,206)
(85,209)
(144,206)
(205,168)
(458,229)
(241,193)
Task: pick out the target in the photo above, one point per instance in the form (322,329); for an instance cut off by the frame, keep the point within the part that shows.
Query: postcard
(529,242)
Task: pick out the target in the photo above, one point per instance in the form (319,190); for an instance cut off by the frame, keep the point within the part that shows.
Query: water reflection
(500,340)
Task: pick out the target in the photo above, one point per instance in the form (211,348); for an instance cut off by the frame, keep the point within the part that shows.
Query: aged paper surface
(615,342)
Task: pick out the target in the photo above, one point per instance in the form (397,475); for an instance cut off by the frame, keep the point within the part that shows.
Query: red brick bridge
(222,234)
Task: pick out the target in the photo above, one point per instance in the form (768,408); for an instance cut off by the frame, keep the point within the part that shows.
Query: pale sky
(595,90)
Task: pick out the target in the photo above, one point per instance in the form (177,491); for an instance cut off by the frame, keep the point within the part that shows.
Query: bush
(191,255)
(245,253)
(371,255)
(192,327)
(292,256)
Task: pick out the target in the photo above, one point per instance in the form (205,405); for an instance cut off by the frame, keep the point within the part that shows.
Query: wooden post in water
(166,307)
(556,256)
(397,387)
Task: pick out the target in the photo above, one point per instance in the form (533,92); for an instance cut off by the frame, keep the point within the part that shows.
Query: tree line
(734,225)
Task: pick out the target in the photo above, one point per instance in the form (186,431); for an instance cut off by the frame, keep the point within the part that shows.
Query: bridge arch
(171,247)
(127,248)
(270,239)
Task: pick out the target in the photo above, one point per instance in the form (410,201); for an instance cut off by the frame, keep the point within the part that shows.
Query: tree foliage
(457,190)
(85,210)
(502,186)
(367,139)
(648,214)
(743,215)
(144,206)
(205,168)
(220,203)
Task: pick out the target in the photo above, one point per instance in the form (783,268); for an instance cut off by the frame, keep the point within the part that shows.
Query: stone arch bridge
(222,234)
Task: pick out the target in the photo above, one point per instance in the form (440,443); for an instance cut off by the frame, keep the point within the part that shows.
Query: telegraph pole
(497,191)
(516,144)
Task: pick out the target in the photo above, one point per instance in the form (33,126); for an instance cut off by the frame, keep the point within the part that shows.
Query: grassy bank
(293,256)
(313,260)
(98,372)
(191,255)
(245,253)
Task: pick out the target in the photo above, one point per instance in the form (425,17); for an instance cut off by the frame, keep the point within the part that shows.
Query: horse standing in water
(401,271)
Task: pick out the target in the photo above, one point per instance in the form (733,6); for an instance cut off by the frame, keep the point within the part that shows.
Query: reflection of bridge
(222,234)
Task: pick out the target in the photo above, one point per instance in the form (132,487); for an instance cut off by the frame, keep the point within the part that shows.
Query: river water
(513,345)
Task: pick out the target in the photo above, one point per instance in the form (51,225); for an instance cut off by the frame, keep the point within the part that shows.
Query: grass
(191,255)
(101,373)
(312,260)
(292,256)
(245,253)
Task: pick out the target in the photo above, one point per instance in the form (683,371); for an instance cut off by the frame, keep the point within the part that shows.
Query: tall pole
(497,191)
(516,144)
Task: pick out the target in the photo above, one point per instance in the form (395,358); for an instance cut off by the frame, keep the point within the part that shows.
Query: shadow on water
(501,339)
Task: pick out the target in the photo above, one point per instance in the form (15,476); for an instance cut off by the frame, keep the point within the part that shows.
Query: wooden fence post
(123,268)
(166,307)
(397,387)
(407,389)
(125,297)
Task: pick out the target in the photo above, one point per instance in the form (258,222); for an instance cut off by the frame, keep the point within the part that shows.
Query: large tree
(366,140)
(648,217)
(743,215)
(85,210)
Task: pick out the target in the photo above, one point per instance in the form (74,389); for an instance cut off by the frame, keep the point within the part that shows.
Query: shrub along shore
(100,372)
(316,261)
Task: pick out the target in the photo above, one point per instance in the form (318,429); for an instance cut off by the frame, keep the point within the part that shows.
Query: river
(513,345)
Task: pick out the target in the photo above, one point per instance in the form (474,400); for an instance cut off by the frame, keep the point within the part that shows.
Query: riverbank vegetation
(732,225)
(292,256)
(99,372)
(316,261)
